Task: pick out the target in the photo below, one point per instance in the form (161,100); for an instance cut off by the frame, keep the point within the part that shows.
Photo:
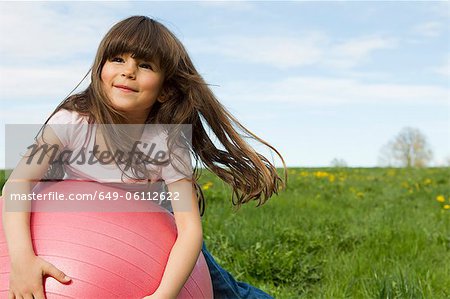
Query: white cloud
(30,83)
(313,48)
(443,69)
(276,51)
(29,114)
(39,32)
(429,29)
(439,8)
(320,91)
(354,51)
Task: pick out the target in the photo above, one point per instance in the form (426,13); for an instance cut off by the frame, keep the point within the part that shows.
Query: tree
(447,161)
(338,163)
(408,149)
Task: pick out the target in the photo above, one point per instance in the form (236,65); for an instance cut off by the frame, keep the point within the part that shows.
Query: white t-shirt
(78,137)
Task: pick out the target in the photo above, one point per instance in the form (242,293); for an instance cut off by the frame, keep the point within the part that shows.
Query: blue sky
(318,80)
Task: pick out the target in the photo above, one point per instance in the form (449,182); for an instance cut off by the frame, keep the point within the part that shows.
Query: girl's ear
(162,96)
(166,94)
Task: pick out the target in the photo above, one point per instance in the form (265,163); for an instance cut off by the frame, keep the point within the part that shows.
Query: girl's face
(132,85)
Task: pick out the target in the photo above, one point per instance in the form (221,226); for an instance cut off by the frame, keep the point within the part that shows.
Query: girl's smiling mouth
(125,88)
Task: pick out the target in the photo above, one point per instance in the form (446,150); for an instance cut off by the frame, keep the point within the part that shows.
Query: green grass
(2,179)
(338,233)
(367,233)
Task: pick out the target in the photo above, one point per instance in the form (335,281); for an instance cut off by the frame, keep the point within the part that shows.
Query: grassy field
(338,233)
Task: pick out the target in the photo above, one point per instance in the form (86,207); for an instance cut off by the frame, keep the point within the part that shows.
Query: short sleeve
(179,166)
(67,126)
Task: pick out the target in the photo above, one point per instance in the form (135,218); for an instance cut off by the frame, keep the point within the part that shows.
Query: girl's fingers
(54,272)
(39,294)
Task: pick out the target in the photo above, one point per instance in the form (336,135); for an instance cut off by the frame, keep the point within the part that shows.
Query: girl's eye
(146,66)
(116,59)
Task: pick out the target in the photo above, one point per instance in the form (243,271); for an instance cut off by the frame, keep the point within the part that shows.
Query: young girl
(143,75)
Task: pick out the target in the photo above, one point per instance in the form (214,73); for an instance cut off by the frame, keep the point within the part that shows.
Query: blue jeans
(225,286)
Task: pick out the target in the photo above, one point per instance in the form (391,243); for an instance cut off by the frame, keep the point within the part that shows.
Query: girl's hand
(26,277)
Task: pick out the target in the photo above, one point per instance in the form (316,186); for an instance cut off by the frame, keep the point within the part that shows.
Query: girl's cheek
(106,72)
(104,87)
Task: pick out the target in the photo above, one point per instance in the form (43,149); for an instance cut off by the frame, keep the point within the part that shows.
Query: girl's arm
(26,268)
(185,251)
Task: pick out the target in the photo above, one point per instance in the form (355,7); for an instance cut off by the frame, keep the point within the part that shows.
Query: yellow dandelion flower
(321,174)
(332,178)
(446,207)
(440,198)
(207,185)
(427,181)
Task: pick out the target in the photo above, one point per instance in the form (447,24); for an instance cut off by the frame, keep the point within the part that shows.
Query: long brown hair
(185,99)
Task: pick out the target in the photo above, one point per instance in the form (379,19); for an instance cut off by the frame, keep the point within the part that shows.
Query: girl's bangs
(142,42)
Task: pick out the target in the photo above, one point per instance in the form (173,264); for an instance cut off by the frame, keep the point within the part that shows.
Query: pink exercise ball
(107,254)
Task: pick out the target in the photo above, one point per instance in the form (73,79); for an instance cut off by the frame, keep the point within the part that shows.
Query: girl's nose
(129,71)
